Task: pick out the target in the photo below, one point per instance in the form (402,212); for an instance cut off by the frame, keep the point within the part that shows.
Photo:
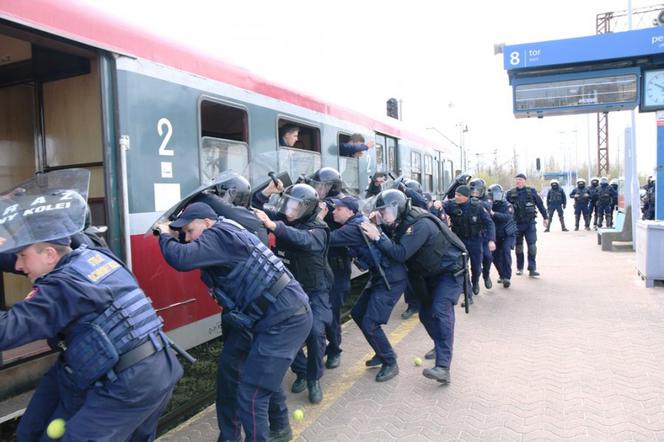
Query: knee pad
(519,248)
(532,249)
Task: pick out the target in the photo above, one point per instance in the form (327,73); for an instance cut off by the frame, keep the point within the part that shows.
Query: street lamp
(463,128)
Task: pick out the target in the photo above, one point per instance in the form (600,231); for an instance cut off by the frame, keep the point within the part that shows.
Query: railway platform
(576,354)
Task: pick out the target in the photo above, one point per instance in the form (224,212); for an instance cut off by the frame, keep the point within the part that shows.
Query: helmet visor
(322,188)
(387,215)
(291,207)
(497,195)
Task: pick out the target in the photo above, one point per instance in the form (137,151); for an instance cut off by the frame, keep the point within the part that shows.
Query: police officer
(387,282)
(328,183)
(503,217)
(257,294)
(581,196)
(376,183)
(605,197)
(526,201)
(413,190)
(230,198)
(116,372)
(478,191)
(303,242)
(614,205)
(556,201)
(469,219)
(435,262)
(592,205)
(649,199)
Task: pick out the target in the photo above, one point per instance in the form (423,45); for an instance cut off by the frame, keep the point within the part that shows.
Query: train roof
(81,23)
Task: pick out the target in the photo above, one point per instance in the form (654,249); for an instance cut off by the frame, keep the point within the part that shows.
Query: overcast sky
(437,57)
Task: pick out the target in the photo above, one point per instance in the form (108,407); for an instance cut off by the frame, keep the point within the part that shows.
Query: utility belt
(255,311)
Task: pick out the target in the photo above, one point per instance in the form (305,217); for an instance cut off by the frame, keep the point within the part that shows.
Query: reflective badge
(474,218)
(95,266)
(409,230)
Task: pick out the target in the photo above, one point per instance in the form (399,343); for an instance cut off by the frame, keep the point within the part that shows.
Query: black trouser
(552,210)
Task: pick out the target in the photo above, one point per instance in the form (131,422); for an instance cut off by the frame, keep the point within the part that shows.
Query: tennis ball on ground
(56,429)
(298,415)
(418,362)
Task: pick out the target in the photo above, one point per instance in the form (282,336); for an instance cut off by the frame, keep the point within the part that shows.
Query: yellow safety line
(347,380)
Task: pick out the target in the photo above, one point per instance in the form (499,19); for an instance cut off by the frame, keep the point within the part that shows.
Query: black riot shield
(47,207)
(461,180)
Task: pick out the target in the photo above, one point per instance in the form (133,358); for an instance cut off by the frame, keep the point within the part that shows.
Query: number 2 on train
(163,148)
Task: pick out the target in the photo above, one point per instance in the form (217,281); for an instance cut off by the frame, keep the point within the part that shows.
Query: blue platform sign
(610,46)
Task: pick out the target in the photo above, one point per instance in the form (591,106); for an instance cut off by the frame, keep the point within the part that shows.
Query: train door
(50,119)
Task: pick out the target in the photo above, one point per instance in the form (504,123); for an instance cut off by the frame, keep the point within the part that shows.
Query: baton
(274,178)
(373,258)
(182,352)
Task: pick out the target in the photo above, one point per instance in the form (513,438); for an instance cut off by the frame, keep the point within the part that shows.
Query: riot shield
(460,180)
(47,207)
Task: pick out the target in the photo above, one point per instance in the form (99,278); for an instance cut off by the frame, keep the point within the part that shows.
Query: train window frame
(314,128)
(427,173)
(202,138)
(416,165)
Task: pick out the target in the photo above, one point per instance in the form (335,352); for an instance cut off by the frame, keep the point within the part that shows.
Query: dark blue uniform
(556,201)
(303,245)
(375,304)
(432,262)
(125,401)
(526,202)
(264,300)
(604,206)
(581,197)
(469,220)
(487,255)
(592,204)
(503,217)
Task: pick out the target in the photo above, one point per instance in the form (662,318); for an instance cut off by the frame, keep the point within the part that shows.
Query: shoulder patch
(409,231)
(95,266)
(32,293)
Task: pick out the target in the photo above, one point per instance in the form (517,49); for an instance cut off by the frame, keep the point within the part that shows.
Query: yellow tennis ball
(56,429)
(418,362)
(298,415)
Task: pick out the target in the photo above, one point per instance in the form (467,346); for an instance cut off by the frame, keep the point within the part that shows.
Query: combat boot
(373,362)
(299,385)
(410,311)
(506,283)
(315,392)
(431,354)
(562,223)
(440,374)
(387,372)
(283,435)
(333,361)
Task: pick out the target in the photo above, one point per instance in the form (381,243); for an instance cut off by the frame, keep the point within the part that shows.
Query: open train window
(416,166)
(293,134)
(224,140)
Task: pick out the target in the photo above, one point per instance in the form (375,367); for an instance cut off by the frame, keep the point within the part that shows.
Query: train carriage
(153,120)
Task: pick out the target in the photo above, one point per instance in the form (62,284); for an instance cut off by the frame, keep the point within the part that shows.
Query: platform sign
(594,48)
(598,91)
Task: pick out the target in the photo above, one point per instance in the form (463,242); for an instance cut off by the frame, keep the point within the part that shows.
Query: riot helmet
(581,183)
(614,183)
(496,192)
(604,181)
(326,181)
(555,184)
(234,189)
(298,202)
(594,181)
(413,185)
(391,204)
(477,187)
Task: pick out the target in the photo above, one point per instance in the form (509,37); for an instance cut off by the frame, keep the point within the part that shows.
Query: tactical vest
(604,196)
(524,211)
(467,224)
(555,196)
(253,284)
(311,269)
(428,260)
(507,228)
(99,341)
(582,194)
(369,257)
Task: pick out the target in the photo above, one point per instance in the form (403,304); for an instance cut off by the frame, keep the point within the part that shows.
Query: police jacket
(416,198)
(605,195)
(243,216)
(525,201)
(581,196)
(239,270)
(592,190)
(556,198)
(424,244)
(503,217)
(470,219)
(86,287)
(338,258)
(303,246)
(367,254)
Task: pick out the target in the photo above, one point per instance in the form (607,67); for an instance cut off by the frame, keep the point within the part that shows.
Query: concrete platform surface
(576,354)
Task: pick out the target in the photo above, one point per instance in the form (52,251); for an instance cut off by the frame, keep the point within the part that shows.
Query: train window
(416,166)
(223,122)
(392,165)
(381,165)
(220,155)
(342,139)
(428,173)
(308,137)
